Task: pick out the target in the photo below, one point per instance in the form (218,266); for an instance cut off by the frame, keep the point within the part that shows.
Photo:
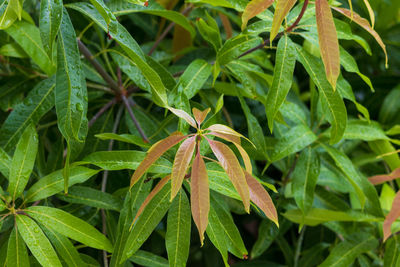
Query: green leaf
(119,160)
(51,12)
(390,108)
(127,138)
(145,258)
(347,251)
(147,222)
(106,13)
(332,103)
(37,242)
(17,255)
(236,46)
(282,81)
(36,104)
(131,48)
(294,140)
(23,161)
(28,37)
(392,252)
(317,216)
(177,238)
(10,13)
(219,181)
(267,233)
(13,50)
(5,163)
(305,178)
(154,8)
(210,32)
(64,248)
(91,197)
(225,221)
(70,226)
(364,189)
(384,147)
(54,183)
(357,129)
(70,92)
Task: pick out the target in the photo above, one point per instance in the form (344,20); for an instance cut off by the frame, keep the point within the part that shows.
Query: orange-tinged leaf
(154,153)
(261,198)
(232,167)
(227,25)
(391,217)
(253,8)
(370,12)
(380,179)
(200,116)
(236,141)
(181,163)
(328,41)
(183,115)
(199,195)
(364,24)
(282,9)
(150,196)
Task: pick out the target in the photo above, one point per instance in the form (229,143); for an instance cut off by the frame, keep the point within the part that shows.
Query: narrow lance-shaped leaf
(232,167)
(5,163)
(282,80)
(261,198)
(37,242)
(181,163)
(391,217)
(49,22)
(154,153)
(220,128)
(10,13)
(370,12)
(177,238)
(328,41)
(23,161)
(380,179)
(70,226)
(199,195)
(184,115)
(364,24)
(282,9)
(305,178)
(17,255)
(254,8)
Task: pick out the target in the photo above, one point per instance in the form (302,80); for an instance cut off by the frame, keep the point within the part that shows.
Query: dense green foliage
(117,145)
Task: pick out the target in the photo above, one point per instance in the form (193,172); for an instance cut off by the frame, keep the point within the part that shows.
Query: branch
(135,121)
(167,30)
(288,30)
(102,110)
(103,73)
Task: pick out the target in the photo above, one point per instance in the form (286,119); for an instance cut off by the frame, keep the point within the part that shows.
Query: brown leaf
(150,196)
(232,167)
(328,41)
(154,153)
(200,116)
(181,163)
(380,179)
(253,8)
(200,195)
(236,141)
(183,115)
(227,25)
(282,9)
(391,217)
(365,24)
(261,198)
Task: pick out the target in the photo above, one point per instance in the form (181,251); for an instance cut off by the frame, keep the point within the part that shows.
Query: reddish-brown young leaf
(380,179)
(183,115)
(261,198)
(364,24)
(199,195)
(391,217)
(328,41)
(220,128)
(226,24)
(200,116)
(154,153)
(236,141)
(232,167)
(253,8)
(181,163)
(150,196)
(281,10)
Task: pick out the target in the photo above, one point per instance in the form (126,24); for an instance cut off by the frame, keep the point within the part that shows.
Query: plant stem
(103,73)
(288,30)
(298,247)
(102,110)
(135,121)
(104,181)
